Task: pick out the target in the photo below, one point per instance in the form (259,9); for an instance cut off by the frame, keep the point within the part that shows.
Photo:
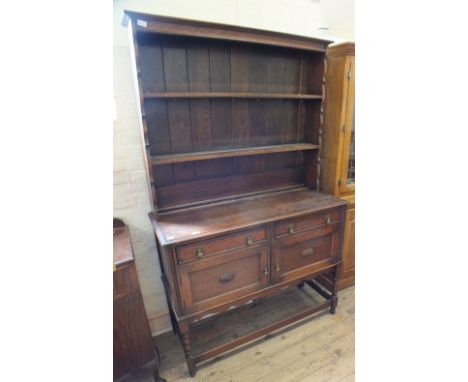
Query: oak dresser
(231,121)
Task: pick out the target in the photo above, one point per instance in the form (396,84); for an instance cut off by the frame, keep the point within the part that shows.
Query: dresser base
(205,338)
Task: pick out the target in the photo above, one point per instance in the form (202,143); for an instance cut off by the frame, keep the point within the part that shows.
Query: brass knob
(265,271)
(277,268)
(290,228)
(199,252)
(249,240)
(327,219)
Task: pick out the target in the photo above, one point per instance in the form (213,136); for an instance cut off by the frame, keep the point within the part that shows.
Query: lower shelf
(344,281)
(228,330)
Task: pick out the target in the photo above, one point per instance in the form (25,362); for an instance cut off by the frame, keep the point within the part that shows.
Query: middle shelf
(232,95)
(226,153)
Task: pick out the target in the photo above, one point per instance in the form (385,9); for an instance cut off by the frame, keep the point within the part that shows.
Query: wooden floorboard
(318,350)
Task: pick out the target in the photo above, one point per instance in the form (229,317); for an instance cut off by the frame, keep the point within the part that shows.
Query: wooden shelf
(176,227)
(238,152)
(232,95)
(254,319)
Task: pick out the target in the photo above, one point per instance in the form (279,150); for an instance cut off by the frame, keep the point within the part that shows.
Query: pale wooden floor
(318,350)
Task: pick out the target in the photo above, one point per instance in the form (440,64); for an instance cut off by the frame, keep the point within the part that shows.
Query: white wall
(131,199)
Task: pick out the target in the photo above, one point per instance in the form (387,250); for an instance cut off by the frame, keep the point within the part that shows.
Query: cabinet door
(348,243)
(219,279)
(347,175)
(298,255)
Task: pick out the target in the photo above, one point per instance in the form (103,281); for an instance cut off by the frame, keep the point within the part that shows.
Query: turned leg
(156,376)
(334,298)
(185,337)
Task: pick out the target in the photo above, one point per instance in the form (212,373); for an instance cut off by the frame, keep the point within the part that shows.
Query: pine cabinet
(338,144)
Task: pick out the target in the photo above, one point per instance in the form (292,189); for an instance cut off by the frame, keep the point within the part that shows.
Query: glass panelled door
(348,169)
(351,161)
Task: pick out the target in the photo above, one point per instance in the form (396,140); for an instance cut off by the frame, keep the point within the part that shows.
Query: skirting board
(160,323)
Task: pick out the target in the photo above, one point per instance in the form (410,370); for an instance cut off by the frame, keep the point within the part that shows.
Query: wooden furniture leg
(334,298)
(156,376)
(185,338)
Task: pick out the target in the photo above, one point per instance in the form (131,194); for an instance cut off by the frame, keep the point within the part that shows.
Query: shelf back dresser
(231,122)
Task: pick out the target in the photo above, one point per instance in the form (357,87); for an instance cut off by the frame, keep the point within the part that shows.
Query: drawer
(306,252)
(221,245)
(306,223)
(218,279)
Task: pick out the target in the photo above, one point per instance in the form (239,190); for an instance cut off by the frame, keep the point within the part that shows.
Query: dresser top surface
(200,222)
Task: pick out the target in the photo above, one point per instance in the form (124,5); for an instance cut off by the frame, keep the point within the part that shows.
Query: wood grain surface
(178,227)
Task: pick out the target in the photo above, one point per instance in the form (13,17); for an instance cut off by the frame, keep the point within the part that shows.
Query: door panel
(300,254)
(348,241)
(347,172)
(214,280)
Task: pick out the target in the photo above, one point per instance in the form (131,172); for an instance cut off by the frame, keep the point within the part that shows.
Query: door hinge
(339,182)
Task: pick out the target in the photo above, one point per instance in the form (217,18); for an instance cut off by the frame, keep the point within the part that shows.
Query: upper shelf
(231,95)
(238,152)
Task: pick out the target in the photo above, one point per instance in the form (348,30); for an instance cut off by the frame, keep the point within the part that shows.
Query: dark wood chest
(132,342)
(231,122)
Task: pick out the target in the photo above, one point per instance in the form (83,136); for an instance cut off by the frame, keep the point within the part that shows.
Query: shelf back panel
(182,64)
(181,126)
(198,181)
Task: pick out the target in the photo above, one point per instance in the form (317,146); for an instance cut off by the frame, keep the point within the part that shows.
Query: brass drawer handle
(290,228)
(265,271)
(199,252)
(226,277)
(249,240)
(307,252)
(327,219)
